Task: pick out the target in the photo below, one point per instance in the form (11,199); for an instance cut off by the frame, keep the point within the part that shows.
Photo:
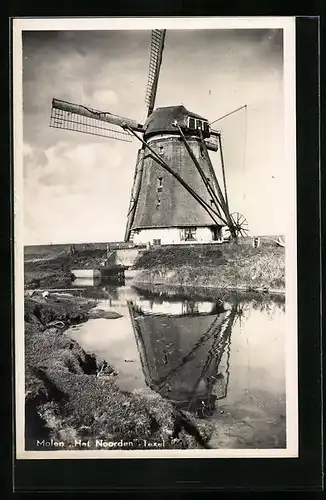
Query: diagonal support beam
(219,193)
(223,172)
(219,203)
(225,204)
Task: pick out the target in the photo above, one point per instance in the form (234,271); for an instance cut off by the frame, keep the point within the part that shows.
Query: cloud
(105,98)
(76,195)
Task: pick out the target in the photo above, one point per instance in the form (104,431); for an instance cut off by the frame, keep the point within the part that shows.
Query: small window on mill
(158,203)
(159,185)
(191,123)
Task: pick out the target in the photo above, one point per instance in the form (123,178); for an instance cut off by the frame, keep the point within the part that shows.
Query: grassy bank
(228,266)
(72,395)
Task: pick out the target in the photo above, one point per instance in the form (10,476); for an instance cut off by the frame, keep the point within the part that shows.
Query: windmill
(176,196)
(185,357)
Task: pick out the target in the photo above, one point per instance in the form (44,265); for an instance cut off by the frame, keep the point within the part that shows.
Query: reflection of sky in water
(174,308)
(195,354)
(114,341)
(85,282)
(257,373)
(257,353)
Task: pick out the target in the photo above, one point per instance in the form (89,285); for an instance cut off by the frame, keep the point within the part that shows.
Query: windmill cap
(162,119)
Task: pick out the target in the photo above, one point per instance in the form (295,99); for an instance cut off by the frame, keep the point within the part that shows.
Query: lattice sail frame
(157,44)
(67,120)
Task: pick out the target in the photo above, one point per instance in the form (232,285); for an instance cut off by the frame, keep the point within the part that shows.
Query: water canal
(219,357)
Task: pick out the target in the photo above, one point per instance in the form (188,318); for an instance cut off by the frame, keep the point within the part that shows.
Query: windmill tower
(176,197)
(194,368)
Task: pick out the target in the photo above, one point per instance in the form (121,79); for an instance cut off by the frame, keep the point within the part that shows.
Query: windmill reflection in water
(185,350)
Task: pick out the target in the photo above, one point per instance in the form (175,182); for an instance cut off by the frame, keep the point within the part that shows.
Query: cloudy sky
(77,187)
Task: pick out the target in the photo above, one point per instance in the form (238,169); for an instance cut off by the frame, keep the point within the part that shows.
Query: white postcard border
(190,23)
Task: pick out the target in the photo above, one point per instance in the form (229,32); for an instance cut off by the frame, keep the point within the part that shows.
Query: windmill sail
(155,59)
(69,116)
